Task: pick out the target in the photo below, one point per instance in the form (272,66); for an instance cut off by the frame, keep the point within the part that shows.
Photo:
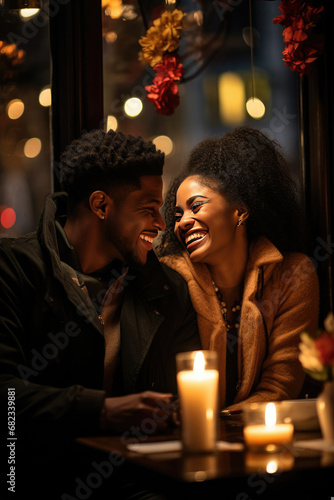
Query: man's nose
(159,222)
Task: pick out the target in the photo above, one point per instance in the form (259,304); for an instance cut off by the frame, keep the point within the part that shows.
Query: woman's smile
(205,222)
(193,239)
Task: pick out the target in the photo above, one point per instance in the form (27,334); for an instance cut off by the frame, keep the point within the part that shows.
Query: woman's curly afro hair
(101,160)
(249,170)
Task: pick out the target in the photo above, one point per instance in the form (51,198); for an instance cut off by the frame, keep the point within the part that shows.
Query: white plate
(303,413)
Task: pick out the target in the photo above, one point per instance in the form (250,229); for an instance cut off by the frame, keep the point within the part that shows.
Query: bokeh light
(231,89)
(255,108)
(28,13)
(133,106)
(32,147)
(110,37)
(112,123)
(7,217)
(15,109)
(164,143)
(45,97)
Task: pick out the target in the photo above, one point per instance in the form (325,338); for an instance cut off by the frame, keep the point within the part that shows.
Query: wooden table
(239,475)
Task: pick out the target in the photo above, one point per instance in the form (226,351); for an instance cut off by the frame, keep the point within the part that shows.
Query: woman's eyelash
(194,206)
(197,204)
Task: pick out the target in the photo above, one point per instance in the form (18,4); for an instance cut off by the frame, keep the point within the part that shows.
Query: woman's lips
(194,240)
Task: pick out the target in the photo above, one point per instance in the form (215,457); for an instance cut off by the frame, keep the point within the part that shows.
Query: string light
(251,47)
(255,108)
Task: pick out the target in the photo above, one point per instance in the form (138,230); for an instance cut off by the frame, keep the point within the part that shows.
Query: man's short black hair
(107,161)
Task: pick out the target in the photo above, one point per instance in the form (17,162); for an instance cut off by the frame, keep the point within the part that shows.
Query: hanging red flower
(303,47)
(159,49)
(164,92)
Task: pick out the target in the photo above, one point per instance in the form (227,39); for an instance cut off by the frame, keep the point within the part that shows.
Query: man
(89,317)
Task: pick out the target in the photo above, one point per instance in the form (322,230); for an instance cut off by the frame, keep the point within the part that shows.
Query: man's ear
(101,204)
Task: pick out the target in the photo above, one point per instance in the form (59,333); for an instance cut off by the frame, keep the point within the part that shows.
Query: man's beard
(129,256)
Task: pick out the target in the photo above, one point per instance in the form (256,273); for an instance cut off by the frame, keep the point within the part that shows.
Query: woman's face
(205,223)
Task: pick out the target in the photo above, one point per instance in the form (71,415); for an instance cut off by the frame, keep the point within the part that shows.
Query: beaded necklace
(223,306)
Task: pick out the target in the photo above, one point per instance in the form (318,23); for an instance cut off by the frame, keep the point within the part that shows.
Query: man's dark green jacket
(51,339)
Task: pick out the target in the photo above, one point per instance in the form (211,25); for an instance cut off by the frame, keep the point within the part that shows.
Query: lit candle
(269,433)
(198,391)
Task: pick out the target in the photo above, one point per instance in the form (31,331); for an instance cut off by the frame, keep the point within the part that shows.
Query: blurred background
(215,50)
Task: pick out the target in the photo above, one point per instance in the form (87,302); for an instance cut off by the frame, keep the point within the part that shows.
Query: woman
(235,233)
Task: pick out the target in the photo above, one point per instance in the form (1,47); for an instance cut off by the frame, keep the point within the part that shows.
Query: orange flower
(163,36)
(9,57)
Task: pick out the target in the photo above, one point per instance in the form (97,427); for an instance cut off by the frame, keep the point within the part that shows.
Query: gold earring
(102,217)
(239,222)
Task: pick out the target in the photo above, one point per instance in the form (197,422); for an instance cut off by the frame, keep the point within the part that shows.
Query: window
(25,172)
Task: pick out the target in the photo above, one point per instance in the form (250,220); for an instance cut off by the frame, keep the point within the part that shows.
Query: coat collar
(55,206)
(150,280)
(261,253)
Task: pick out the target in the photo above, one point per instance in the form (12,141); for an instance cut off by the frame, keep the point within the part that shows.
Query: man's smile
(148,236)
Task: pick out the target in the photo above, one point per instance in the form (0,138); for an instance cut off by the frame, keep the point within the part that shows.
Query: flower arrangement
(159,47)
(317,354)
(303,47)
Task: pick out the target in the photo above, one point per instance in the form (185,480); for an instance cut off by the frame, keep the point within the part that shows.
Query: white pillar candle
(198,392)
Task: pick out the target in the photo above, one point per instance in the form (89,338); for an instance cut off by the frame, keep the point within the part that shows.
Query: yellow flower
(162,37)
(153,47)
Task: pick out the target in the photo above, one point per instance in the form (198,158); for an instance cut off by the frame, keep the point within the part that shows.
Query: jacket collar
(150,279)
(55,206)
(262,253)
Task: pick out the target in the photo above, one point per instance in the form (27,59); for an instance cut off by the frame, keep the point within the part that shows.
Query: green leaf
(323,375)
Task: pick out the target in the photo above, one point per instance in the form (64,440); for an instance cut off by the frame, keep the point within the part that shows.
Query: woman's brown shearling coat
(280,300)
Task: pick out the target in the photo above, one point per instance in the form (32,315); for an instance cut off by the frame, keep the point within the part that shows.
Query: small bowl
(303,413)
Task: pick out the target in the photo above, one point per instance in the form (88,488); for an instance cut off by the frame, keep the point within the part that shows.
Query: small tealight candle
(262,431)
(197,381)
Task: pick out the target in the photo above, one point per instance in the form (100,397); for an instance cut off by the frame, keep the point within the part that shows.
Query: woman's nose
(186,223)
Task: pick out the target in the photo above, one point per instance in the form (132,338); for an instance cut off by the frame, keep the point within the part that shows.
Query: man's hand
(121,413)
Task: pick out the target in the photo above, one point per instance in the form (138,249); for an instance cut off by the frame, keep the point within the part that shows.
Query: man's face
(135,221)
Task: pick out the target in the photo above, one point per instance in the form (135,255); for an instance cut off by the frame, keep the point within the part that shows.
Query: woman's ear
(100,204)
(243,215)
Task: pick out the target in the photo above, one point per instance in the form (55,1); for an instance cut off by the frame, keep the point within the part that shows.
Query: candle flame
(199,362)
(272,467)
(270,415)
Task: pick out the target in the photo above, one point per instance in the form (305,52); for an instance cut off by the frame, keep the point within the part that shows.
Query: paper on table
(315,444)
(166,446)
(226,445)
(159,447)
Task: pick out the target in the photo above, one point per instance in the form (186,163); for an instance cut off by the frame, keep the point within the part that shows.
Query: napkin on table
(166,446)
